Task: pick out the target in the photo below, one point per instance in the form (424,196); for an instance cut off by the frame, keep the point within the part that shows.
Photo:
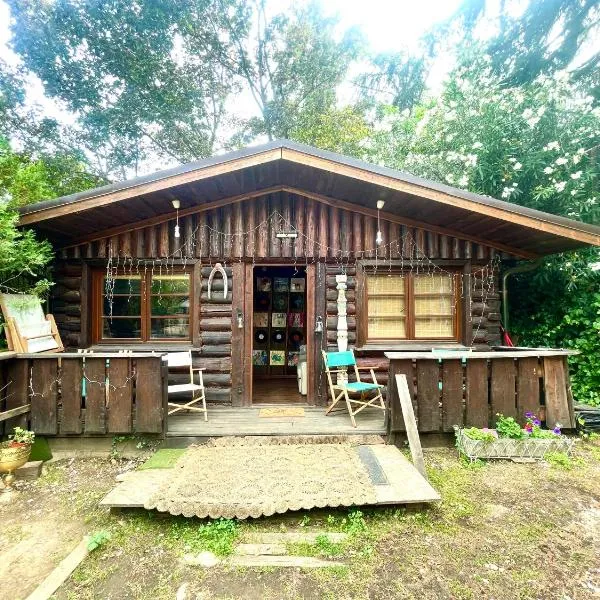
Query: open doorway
(279,335)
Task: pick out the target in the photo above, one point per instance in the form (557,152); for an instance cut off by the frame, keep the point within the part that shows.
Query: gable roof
(319,174)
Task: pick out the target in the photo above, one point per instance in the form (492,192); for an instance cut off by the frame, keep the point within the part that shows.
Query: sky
(388,25)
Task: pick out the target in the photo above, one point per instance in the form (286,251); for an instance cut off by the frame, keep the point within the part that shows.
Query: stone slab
(30,470)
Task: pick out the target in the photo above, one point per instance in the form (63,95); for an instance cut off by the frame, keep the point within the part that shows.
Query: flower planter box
(512,448)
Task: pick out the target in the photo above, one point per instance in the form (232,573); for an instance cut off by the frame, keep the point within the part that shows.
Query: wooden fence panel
(120,395)
(528,387)
(555,391)
(17,392)
(149,396)
(43,396)
(452,394)
(71,395)
(503,387)
(95,398)
(477,410)
(428,395)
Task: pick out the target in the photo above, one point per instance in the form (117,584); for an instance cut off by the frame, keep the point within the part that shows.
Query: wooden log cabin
(319,251)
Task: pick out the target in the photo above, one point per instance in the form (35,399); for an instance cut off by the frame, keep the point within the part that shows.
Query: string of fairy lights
(408,257)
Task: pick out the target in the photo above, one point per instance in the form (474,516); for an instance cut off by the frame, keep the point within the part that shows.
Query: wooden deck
(225,421)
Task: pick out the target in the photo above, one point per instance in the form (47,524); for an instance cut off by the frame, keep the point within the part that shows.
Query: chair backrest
(179,359)
(339,359)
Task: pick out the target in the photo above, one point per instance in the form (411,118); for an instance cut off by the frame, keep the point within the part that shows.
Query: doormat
(280,411)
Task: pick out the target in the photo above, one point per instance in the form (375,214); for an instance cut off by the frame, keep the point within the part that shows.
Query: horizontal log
(332,337)
(332,322)
(336,270)
(332,283)
(478,308)
(215,350)
(206,271)
(217,380)
(332,308)
(213,364)
(67,295)
(215,337)
(215,323)
(71,283)
(374,363)
(218,395)
(67,269)
(219,309)
(72,340)
(61,308)
(71,326)
(217,285)
(216,297)
(332,294)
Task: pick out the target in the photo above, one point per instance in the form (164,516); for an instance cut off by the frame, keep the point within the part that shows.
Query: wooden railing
(85,394)
(451,388)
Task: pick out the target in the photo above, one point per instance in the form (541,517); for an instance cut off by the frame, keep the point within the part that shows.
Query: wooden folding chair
(176,360)
(340,362)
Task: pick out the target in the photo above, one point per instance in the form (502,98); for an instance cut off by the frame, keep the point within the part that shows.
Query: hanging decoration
(218,268)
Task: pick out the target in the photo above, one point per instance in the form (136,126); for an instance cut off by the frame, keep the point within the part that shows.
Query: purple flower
(528,414)
(556,430)
(537,422)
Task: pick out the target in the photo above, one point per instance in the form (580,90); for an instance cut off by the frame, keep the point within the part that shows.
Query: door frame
(248,341)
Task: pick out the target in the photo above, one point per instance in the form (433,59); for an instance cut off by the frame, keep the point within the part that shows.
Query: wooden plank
(247,382)
(43,396)
(249,223)
(410,422)
(556,394)
(399,367)
(262,243)
(322,235)
(17,392)
(311,228)
(311,340)
(298,209)
(149,391)
(477,407)
(120,395)
(238,352)
(334,232)
(428,395)
(357,245)
(320,340)
(502,387)
(15,412)
(528,387)
(71,395)
(287,244)
(94,370)
(163,239)
(452,394)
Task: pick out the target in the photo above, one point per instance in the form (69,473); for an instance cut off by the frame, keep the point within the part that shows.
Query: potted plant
(510,440)
(15,452)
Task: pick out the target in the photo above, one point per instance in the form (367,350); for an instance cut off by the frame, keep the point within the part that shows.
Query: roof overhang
(323,176)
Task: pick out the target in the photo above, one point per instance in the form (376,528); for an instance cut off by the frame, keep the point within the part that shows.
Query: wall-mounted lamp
(319,325)
(176,204)
(379,237)
(240,319)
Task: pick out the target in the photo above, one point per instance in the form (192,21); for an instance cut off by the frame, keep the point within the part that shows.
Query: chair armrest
(371,371)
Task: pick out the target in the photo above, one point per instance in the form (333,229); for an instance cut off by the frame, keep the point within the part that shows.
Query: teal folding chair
(340,362)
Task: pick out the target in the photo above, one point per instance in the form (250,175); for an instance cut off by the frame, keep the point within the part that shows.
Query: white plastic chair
(184,359)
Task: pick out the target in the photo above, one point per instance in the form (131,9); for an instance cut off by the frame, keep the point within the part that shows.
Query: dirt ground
(502,530)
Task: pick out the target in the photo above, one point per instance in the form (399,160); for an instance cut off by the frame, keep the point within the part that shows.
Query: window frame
(98,276)
(363,338)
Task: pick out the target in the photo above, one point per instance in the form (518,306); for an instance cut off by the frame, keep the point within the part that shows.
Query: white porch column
(342,322)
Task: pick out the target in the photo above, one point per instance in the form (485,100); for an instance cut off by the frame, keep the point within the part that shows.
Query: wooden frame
(145,307)
(184,359)
(248,341)
(460,321)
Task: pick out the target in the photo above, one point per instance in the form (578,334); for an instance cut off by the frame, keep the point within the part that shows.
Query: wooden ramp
(377,474)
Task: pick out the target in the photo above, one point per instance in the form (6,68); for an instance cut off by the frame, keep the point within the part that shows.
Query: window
(410,306)
(143,307)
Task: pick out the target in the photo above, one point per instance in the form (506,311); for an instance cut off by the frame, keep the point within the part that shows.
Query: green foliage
(474,433)
(97,540)
(355,523)
(507,427)
(561,460)
(569,317)
(22,436)
(217,536)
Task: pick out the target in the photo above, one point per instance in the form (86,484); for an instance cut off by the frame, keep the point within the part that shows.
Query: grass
(163,459)
(561,460)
